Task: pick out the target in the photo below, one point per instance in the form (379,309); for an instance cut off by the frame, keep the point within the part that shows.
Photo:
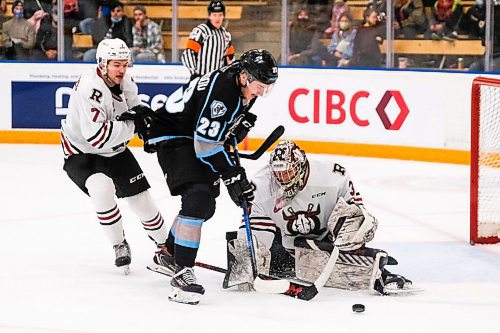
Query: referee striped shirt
(207,49)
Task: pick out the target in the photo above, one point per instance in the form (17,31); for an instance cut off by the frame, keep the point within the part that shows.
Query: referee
(209,46)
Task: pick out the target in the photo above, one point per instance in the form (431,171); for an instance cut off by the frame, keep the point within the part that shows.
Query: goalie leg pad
(239,270)
(354,270)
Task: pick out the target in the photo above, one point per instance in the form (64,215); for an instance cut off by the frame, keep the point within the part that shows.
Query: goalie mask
(289,167)
(111,49)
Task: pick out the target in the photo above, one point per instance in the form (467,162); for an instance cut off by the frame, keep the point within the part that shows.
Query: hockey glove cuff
(238,186)
(142,116)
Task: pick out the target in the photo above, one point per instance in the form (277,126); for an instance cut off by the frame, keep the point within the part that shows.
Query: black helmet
(216,6)
(260,64)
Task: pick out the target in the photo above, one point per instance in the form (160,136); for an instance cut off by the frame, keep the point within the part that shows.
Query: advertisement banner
(375,107)
(30,112)
(363,106)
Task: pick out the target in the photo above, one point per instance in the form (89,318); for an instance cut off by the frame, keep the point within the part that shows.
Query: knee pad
(198,202)
(142,205)
(101,190)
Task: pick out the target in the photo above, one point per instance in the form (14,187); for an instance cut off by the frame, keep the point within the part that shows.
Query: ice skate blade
(180,296)
(403,292)
(160,269)
(125,269)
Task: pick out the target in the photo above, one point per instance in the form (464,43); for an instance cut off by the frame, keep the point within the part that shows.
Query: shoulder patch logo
(218,109)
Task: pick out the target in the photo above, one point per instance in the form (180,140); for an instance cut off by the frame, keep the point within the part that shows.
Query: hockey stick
(275,135)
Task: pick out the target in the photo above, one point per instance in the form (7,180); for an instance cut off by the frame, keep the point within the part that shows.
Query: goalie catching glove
(142,116)
(351,225)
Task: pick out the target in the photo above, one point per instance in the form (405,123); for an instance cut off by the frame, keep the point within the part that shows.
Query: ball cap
(358,308)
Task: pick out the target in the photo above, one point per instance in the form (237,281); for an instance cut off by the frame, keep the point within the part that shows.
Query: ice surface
(57,273)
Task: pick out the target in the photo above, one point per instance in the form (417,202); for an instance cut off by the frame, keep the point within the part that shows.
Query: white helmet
(289,167)
(111,49)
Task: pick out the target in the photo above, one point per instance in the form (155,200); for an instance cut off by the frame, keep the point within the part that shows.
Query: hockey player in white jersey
(302,208)
(104,112)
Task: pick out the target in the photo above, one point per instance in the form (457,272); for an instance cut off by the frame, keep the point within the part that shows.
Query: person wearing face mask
(339,8)
(18,35)
(342,41)
(116,25)
(305,46)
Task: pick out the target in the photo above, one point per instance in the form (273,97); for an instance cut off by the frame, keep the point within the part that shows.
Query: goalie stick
(300,290)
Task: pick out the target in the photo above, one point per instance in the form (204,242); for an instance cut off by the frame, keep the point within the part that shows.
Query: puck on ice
(358,308)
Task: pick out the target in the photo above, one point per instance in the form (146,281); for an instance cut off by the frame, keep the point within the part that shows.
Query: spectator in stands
(366,49)
(32,6)
(410,18)
(380,6)
(473,22)
(117,25)
(90,11)
(339,8)
(147,39)
(342,41)
(73,15)
(3,7)
(306,48)
(481,26)
(18,35)
(46,40)
(209,46)
(444,20)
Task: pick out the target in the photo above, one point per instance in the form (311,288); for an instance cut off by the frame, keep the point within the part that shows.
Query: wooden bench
(82,41)
(439,47)
(184,12)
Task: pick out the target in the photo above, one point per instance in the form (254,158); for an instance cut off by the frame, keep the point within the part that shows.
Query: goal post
(485,162)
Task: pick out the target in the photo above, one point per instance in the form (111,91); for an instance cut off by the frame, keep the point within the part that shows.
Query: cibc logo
(337,107)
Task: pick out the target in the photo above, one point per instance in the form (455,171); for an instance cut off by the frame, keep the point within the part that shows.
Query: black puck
(358,308)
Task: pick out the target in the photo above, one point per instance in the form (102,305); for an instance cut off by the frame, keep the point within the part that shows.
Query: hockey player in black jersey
(191,137)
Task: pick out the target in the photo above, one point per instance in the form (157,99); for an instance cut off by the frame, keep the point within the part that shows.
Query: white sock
(144,207)
(102,194)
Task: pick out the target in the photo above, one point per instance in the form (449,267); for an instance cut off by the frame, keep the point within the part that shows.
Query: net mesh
(489,162)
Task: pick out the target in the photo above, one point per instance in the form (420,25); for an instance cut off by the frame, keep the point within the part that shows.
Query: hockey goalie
(302,209)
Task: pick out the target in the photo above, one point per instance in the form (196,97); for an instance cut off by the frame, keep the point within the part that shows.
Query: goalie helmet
(289,167)
(111,49)
(260,65)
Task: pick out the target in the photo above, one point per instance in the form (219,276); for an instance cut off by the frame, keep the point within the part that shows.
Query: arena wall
(415,115)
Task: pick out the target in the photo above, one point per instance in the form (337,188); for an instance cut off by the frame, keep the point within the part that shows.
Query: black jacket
(122,29)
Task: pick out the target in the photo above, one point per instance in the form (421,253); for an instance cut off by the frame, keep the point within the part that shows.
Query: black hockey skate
(123,256)
(185,288)
(163,262)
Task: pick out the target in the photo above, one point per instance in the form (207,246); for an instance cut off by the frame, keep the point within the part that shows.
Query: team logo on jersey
(303,222)
(218,109)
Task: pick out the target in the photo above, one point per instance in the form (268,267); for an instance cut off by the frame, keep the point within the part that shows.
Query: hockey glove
(242,128)
(351,225)
(142,116)
(238,186)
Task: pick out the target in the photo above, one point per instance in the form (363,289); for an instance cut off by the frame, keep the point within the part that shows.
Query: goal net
(485,162)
